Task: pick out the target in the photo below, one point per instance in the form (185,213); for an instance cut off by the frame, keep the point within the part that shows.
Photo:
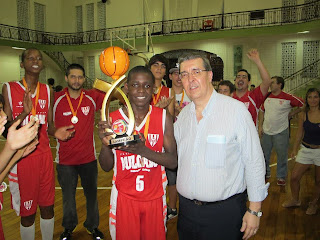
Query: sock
(47,226)
(27,233)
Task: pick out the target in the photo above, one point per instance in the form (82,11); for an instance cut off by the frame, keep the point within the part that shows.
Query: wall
(10,66)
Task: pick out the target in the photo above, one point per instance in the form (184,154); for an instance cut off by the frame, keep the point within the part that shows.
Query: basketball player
(163,96)
(138,204)
(76,157)
(32,179)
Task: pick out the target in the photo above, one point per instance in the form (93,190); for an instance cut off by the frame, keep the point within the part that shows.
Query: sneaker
(96,234)
(281,182)
(66,235)
(312,209)
(291,203)
(172,213)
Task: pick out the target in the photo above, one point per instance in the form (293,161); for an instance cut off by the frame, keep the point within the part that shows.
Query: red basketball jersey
(137,177)
(15,93)
(165,92)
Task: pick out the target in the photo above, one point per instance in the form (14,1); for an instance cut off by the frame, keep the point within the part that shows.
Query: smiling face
(158,70)
(242,81)
(32,62)
(174,77)
(313,99)
(198,88)
(140,89)
(75,79)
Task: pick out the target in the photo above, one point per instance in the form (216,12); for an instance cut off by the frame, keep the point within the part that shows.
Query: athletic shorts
(171,176)
(32,184)
(135,220)
(308,156)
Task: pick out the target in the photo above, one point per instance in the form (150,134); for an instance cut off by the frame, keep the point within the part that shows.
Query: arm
(106,157)
(254,173)
(261,119)
(299,134)
(167,158)
(250,222)
(171,107)
(253,55)
(62,133)
(294,112)
(17,139)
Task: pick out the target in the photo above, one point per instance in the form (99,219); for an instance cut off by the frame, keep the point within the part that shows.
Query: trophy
(114,62)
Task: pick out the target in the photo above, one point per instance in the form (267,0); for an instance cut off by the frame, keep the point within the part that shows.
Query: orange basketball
(114,62)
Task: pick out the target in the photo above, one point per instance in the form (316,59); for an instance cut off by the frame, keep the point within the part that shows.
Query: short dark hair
(24,53)
(191,56)
(227,83)
(279,80)
(140,69)
(244,70)
(74,66)
(2,99)
(51,81)
(158,58)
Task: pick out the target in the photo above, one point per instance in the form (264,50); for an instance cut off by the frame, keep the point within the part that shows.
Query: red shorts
(32,184)
(137,220)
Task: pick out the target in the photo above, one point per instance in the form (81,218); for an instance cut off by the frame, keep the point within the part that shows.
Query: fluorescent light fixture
(304,32)
(19,48)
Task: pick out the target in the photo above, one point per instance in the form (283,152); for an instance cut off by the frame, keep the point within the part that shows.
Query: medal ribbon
(74,113)
(34,107)
(146,130)
(181,101)
(155,100)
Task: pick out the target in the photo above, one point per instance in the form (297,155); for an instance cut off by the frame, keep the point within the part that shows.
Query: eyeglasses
(194,72)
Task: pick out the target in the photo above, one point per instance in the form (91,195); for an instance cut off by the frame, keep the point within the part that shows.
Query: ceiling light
(19,48)
(304,32)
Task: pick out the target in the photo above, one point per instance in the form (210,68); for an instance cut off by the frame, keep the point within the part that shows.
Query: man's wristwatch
(258,214)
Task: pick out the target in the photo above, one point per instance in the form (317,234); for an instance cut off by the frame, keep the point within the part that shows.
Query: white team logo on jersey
(20,104)
(153,139)
(42,103)
(247,104)
(85,110)
(28,204)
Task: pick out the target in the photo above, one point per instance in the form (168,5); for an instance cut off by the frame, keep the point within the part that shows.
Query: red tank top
(137,177)
(15,94)
(164,92)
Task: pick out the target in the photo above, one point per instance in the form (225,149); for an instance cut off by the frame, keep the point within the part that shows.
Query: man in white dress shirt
(220,161)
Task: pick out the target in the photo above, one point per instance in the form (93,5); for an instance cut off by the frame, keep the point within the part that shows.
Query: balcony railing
(237,20)
(306,75)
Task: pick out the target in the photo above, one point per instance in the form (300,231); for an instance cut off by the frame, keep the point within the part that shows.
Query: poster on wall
(237,59)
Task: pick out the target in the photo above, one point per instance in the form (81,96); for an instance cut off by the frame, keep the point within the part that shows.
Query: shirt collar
(208,110)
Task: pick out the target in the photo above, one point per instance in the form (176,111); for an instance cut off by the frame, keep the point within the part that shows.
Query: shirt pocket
(215,156)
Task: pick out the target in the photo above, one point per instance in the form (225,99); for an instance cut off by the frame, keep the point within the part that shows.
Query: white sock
(27,233)
(47,226)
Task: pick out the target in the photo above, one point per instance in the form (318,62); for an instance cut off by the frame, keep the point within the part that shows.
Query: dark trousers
(68,179)
(218,220)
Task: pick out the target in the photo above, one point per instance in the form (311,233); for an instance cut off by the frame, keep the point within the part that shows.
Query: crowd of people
(204,144)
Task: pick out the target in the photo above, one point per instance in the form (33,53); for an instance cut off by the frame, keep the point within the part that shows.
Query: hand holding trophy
(114,62)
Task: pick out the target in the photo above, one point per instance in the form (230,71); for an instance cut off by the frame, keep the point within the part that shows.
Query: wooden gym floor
(276,223)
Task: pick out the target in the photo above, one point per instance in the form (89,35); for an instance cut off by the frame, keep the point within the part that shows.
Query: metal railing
(304,76)
(237,20)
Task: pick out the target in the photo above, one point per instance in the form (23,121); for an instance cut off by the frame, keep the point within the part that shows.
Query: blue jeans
(280,142)
(68,179)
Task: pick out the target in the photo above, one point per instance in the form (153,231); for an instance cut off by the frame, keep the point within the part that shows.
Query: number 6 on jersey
(139,183)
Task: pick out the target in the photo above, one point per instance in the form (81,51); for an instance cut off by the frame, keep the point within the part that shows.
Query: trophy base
(123,141)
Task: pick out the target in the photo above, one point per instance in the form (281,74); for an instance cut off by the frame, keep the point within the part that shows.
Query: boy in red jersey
(32,178)
(138,204)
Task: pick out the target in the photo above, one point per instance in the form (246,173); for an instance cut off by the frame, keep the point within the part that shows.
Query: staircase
(299,82)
